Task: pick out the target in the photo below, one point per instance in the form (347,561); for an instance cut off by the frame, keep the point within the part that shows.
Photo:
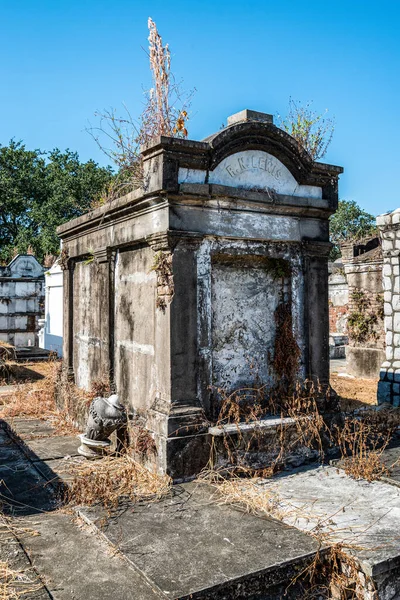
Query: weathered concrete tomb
(21,300)
(174,290)
(363,265)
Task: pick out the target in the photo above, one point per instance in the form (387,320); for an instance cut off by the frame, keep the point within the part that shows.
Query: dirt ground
(25,372)
(354,393)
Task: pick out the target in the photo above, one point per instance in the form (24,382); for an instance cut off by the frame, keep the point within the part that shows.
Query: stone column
(317,311)
(177,423)
(389,383)
(67,266)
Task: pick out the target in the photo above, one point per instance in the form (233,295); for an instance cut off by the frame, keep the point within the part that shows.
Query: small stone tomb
(173,290)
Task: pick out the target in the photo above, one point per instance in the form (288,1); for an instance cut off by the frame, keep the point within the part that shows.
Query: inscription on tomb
(240,164)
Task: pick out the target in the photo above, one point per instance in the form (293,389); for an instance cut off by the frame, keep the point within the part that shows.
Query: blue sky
(61,60)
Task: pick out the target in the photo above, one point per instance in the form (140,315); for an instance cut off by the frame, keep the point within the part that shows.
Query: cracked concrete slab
(26,428)
(364,517)
(50,448)
(79,565)
(192,546)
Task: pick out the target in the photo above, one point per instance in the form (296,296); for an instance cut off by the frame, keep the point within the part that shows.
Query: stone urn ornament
(105,416)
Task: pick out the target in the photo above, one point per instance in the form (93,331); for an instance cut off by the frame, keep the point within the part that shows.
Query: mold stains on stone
(277,267)
(31,323)
(246,292)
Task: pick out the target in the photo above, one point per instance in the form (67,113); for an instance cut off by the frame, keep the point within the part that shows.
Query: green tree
(38,192)
(350,222)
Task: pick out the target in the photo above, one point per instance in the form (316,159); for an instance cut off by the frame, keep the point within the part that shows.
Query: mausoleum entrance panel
(245,293)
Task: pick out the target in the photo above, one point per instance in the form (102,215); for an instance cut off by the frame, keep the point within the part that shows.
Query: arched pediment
(259,170)
(252,154)
(264,137)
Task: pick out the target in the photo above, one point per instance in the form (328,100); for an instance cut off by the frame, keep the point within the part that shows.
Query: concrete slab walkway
(189,545)
(184,546)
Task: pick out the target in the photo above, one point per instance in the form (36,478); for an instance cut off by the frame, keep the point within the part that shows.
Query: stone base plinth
(93,449)
(389,384)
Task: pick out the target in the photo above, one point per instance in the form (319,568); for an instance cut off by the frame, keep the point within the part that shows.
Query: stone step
(270,423)
(32,354)
(258,444)
(191,545)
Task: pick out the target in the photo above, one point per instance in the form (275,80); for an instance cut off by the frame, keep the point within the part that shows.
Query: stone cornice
(133,205)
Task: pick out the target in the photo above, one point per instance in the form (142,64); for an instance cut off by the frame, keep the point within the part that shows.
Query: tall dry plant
(311,130)
(165,113)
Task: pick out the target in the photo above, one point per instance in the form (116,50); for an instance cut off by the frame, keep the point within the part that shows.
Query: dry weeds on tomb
(113,479)
(36,399)
(165,113)
(303,429)
(362,441)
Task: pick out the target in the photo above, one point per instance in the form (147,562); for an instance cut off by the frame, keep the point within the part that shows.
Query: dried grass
(37,399)
(15,583)
(362,441)
(112,479)
(303,431)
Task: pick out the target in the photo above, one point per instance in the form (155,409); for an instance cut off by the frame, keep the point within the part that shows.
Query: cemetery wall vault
(21,300)
(172,291)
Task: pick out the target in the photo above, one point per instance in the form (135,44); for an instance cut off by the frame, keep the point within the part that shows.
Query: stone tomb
(21,301)
(179,295)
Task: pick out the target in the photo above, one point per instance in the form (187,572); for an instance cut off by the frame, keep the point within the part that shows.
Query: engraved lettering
(242,166)
(262,163)
(254,162)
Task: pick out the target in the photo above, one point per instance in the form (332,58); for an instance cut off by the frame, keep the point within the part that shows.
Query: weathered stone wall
(338,299)
(90,323)
(21,301)
(140,350)
(365,308)
(389,384)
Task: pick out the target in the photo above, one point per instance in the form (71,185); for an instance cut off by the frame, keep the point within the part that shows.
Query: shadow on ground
(23,489)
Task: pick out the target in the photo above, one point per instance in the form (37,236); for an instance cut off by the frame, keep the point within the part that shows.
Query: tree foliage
(311,130)
(38,192)
(350,222)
